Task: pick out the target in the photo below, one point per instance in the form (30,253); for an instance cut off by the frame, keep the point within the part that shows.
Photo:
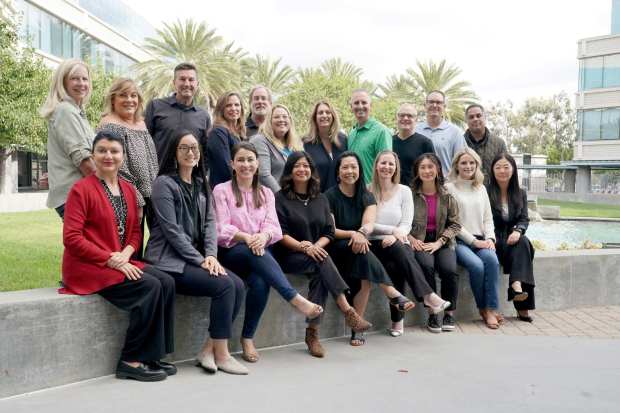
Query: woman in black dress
(354,210)
(308,228)
(514,250)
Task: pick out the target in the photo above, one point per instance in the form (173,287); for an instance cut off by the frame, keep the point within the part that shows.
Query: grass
(31,250)
(582,209)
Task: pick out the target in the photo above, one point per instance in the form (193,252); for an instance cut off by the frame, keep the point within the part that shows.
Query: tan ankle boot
(313,343)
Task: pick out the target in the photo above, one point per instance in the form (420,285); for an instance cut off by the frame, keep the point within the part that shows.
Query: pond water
(553,233)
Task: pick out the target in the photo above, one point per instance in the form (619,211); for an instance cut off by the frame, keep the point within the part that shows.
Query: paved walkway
(521,367)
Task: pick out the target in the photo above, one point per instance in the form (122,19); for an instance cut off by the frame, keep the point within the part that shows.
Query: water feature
(573,233)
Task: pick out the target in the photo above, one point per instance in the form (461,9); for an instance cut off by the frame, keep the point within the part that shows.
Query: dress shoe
(207,362)
(169,368)
(140,373)
(232,366)
(516,295)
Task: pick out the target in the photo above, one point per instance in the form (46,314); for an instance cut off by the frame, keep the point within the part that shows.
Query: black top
(304,222)
(251,128)
(326,165)
(347,212)
(408,150)
(163,117)
(119,206)
(219,148)
(517,217)
(190,198)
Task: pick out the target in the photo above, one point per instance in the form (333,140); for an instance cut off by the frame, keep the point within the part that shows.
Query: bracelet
(361,231)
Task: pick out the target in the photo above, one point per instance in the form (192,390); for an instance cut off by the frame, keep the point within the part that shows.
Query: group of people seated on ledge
(229,215)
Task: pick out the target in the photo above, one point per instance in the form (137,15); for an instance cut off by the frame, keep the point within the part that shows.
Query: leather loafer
(169,368)
(232,366)
(140,373)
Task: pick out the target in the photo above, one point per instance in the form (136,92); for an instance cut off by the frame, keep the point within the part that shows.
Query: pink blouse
(232,219)
(431,214)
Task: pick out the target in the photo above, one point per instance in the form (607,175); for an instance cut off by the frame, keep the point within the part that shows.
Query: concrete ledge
(50,339)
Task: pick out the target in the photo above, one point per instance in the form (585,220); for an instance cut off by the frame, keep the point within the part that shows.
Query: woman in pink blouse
(247,225)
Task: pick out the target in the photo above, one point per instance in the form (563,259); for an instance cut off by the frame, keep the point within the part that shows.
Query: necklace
(301,199)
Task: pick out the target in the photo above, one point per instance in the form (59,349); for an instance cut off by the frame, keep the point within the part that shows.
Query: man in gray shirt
(446,137)
(163,117)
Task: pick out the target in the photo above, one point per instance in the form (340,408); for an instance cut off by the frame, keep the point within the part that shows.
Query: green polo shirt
(367,141)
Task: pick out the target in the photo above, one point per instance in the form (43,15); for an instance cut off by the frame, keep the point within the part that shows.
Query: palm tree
(335,67)
(441,76)
(401,88)
(218,64)
(260,70)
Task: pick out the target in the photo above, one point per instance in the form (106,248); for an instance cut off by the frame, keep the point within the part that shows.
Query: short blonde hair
(291,138)
(334,129)
(478,176)
(57,92)
(118,86)
(374,186)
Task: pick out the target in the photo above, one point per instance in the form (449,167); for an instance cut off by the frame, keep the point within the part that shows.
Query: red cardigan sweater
(89,236)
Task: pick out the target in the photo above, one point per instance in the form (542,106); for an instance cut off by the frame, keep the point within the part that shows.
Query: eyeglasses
(435,102)
(185,149)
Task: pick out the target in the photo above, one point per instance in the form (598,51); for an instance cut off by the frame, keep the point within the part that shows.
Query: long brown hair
(220,119)
(313,135)
(258,197)
(416,183)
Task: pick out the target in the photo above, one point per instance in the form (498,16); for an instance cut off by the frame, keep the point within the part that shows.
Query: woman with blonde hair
(276,140)
(123,108)
(388,240)
(325,142)
(70,136)
(229,129)
(475,244)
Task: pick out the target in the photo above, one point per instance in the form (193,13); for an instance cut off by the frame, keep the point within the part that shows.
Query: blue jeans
(260,273)
(483,268)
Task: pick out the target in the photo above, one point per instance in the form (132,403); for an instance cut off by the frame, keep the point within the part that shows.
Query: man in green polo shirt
(368,137)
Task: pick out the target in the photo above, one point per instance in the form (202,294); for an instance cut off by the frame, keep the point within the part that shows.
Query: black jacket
(517,218)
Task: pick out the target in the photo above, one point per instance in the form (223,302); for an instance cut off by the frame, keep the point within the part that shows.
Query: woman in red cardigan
(101,232)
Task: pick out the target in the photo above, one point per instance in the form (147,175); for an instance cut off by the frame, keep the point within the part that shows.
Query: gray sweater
(270,162)
(170,243)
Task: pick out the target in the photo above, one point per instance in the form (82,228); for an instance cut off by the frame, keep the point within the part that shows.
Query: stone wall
(49,339)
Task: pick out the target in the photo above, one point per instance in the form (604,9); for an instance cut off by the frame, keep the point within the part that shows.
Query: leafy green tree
(260,70)
(544,126)
(219,64)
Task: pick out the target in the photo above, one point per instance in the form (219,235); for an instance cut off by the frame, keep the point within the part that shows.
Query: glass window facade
(598,124)
(51,35)
(599,72)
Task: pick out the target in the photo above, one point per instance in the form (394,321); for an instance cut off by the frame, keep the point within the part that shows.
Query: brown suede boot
(355,321)
(313,343)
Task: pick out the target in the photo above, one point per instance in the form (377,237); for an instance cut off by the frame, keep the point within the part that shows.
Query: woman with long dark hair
(354,210)
(388,240)
(183,243)
(307,228)
(435,225)
(513,248)
(247,225)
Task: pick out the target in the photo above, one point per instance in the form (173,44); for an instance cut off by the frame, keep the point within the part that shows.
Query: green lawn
(582,209)
(31,250)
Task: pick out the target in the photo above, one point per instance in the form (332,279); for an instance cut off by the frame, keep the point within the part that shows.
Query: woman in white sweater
(475,248)
(389,237)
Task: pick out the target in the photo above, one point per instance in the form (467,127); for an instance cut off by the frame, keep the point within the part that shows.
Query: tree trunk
(8,179)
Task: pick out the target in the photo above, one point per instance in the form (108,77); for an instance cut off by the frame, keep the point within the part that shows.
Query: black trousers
(150,302)
(324,277)
(402,266)
(444,261)
(227,293)
(518,261)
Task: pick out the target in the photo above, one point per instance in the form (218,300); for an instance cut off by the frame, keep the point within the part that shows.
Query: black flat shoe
(516,295)
(169,368)
(525,318)
(140,373)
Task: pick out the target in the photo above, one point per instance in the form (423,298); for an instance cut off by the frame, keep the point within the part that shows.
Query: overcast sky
(506,49)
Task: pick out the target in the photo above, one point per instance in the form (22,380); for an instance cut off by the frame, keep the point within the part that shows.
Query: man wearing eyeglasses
(479,138)
(447,138)
(178,111)
(408,144)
